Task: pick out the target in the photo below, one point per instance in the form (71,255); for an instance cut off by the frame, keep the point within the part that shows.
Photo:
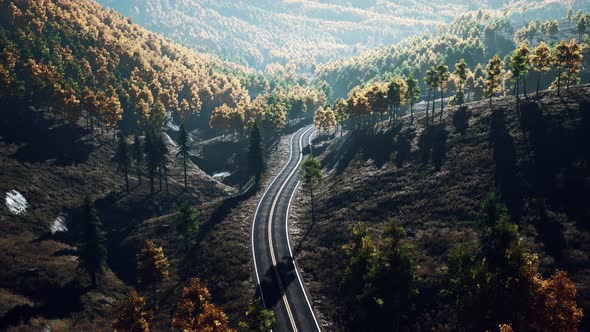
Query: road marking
(258,207)
(270,219)
(289,242)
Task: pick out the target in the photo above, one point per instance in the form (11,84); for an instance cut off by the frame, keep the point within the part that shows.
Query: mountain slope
(537,165)
(304,33)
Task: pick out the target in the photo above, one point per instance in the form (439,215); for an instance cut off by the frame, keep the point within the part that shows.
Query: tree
(582,25)
(461,73)
(130,315)
(520,66)
(152,267)
(573,62)
(560,58)
(412,94)
(196,313)
(541,60)
(494,77)
(555,304)
(188,223)
(152,158)
(431,81)
(183,150)
(256,163)
(258,319)
(123,159)
(396,90)
(311,175)
(324,119)
(342,112)
(92,251)
(442,73)
(137,153)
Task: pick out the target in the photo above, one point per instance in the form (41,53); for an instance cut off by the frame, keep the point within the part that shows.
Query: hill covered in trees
(300,33)
(405,232)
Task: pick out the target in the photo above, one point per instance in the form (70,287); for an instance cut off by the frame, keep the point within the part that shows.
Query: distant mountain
(259,32)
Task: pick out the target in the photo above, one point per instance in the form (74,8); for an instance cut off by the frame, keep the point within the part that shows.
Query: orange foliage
(129,314)
(195,312)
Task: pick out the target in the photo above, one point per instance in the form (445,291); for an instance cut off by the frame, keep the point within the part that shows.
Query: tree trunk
(559,79)
(139,173)
(126,178)
(160,177)
(428,104)
(538,83)
(152,175)
(93,279)
(312,205)
(154,297)
(524,87)
(166,179)
(185,177)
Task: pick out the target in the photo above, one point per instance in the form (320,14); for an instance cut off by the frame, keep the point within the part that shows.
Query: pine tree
(196,313)
(256,153)
(123,159)
(152,267)
(162,151)
(311,175)
(92,250)
(520,66)
(560,58)
(152,157)
(258,319)
(138,156)
(342,112)
(130,315)
(183,150)
(494,77)
(412,94)
(431,81)
(461,72)
(541,60)
(188,223)
(574,62)
(442,73)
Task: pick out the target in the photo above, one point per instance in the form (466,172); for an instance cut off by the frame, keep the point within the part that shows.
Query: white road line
(270,219)
(258,207)
(289,242)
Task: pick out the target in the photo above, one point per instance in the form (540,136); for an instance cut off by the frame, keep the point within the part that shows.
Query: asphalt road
(279,283)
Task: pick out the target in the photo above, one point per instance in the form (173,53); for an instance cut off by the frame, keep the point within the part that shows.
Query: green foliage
(379,282)
(188,224)
(310,172)
(258,319)
(92,251)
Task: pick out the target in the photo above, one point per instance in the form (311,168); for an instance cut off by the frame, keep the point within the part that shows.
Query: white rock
(16,202)
(59,224)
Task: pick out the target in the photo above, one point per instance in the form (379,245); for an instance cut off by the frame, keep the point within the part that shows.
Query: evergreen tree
(152,157)
(431,81)
(412,94)
(123,159)
(256,153)
(311,175)
(494,77)
(258,319)
(130,315)
(162,150)
(92,250)
(520,66)
(188,223)
(152,267)
(183,150)
(560,57)
(138,156)
(461,72)
(442,73)
(541,60)
(573,63)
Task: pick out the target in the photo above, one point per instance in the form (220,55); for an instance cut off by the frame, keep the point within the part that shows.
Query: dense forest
(429,196)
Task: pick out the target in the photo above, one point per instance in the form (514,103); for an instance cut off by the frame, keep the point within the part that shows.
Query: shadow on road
(270,286)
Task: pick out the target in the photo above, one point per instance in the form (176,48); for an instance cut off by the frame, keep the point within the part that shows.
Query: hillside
(434,182)
(474,36)
(303,33)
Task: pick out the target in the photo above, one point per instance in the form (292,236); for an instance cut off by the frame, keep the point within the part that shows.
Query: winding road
(279,283)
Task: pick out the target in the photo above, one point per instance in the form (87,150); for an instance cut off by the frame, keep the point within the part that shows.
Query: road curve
(279,283)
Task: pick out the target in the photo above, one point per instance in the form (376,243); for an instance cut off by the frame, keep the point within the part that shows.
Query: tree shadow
(42,139)
(432,145)
(504,154)
(461,119)
(270,285)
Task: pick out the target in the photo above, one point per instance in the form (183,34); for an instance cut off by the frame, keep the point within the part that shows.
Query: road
(279,282)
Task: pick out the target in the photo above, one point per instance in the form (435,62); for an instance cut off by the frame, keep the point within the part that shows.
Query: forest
(408,148)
